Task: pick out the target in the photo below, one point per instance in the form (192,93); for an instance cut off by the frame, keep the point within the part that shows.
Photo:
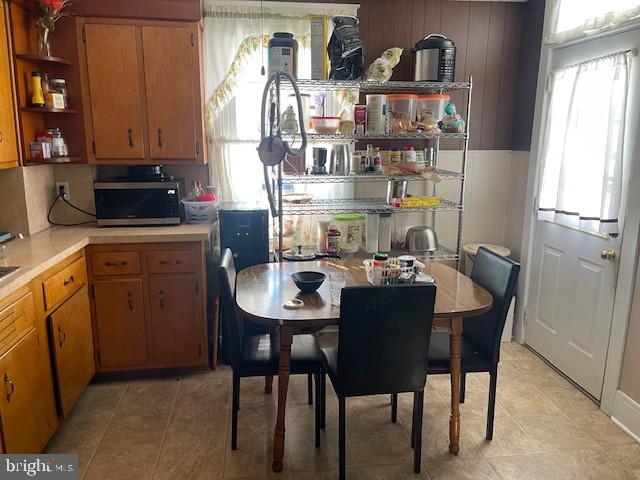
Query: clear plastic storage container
(431,106)
(350,226)
(402,106)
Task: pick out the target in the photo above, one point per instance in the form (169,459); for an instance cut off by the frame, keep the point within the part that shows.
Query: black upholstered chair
(383,332)
(482,334)
(257,355)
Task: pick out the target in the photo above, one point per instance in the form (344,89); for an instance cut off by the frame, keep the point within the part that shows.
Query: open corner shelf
(30,162)
(49,110)
(44,60)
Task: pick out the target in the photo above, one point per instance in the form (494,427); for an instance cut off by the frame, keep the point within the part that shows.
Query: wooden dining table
(262,290)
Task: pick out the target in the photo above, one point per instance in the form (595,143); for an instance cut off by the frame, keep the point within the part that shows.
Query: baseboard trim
(626,414)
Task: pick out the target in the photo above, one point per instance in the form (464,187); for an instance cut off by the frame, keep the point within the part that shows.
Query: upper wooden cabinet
(142,91)
(8,140)
(115,91)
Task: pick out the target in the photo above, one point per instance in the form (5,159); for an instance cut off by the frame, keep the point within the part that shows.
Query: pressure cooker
(434,59)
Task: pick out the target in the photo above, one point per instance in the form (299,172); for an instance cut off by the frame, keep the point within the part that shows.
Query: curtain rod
(631,52)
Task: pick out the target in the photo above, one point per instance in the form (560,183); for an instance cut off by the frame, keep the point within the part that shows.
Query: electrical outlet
(64,187)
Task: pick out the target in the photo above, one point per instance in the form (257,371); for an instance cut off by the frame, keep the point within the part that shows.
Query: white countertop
(36,254)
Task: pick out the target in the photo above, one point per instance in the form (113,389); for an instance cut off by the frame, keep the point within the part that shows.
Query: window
(578,18)
(583,148)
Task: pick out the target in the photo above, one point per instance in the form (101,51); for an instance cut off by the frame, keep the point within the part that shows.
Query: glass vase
(44,48)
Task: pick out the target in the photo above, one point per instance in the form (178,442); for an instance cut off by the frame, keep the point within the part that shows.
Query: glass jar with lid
(58,145)
(59,85)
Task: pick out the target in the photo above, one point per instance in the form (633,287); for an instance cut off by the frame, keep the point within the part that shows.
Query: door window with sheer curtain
(582,179)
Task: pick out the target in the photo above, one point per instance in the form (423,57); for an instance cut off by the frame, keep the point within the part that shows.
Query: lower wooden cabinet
(27,404)
(71,338)
(121,336)
(176,325)
(153,316)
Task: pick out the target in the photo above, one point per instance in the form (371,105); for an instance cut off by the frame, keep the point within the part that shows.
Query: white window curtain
(573,19)
(235,39)
(583,153)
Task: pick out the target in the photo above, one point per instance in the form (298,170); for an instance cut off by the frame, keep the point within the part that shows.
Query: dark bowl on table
(308,282)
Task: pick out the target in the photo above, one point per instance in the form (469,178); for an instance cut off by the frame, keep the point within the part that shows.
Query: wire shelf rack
(316,179)
(317,137)
(377,87)
(361,205)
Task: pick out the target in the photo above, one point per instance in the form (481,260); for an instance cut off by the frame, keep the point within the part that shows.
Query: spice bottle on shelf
(37,97)
(370,159)
(379,260)
(377,160)
(45,83)
(333,240)
(409,154)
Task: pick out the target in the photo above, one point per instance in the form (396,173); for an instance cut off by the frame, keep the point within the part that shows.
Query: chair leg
(323,413)
(318,409)
(463,386)
(418,402)
(341,437)
(394,407)
(235,406)
(310,389)
(493,376)
(414,417)
(268,384)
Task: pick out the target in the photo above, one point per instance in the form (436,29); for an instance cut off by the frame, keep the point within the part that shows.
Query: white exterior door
(571,301)
(573,273)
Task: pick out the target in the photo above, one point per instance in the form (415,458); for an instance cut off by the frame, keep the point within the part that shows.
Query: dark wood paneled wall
(183,10)
(488,37)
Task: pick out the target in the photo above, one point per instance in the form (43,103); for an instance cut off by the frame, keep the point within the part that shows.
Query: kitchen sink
(4,271)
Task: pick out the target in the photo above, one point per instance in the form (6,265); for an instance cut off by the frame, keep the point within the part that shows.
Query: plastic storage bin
(350,226)
(431,105)
(200,212)
(402,106)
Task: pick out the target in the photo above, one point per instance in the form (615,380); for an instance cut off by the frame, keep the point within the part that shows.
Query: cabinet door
(27,404)
(114,83)
(8,141)
(177,329)
(120,324)
(72,344)
(173,101)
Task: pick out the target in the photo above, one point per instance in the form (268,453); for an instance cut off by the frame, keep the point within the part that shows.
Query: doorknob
(608,254)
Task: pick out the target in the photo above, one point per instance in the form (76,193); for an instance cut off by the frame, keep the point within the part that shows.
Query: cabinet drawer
(172,261)
(115,263)
(16,319)
(64,283)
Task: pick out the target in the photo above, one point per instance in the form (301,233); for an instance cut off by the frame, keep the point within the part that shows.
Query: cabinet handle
(68,281)
(169,262)
(115,264)
(62,337)
(1,136)
(130,132)
(161,299)
(9,386)
(130,300)
(160,144)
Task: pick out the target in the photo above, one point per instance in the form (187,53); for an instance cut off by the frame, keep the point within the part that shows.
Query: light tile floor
(178,428)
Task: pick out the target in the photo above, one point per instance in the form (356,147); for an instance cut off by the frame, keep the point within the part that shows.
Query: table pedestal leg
(286,338)
(455,352)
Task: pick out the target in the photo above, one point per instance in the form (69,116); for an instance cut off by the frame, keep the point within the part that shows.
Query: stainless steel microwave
(137,203)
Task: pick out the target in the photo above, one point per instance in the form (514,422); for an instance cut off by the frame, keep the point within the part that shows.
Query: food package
(451,122)
(382,68)
(345,50)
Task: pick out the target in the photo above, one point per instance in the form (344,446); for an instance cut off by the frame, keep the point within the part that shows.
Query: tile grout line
(104,432)
(166,428)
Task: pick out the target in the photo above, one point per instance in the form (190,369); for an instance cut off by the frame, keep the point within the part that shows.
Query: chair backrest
(384,339)
(499,276)
(232,321)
